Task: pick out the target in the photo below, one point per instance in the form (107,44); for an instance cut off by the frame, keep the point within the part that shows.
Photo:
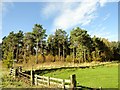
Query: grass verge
(102,76)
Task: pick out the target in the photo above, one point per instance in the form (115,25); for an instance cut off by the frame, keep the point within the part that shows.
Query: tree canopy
(77,47)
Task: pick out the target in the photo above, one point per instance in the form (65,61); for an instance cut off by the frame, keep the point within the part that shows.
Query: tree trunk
(84,55)
(17,54)
(59,51)
(88,56)
(73,55)
(42,52)
(63,54)
(37,53)
(80,56)
(24,55)
(13,57)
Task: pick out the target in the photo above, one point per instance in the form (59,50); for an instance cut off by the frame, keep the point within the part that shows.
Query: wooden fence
(55,82)
(43,80)
(17,72)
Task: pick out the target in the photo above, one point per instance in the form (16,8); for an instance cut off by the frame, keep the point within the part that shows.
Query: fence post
(48,79)
(11,71)
(15,72)
(73,81)
(36,83)
(63,84)
(32,77)
(20,69)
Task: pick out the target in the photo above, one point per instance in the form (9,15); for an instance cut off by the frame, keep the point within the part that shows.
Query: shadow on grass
(79,87)
(44,71)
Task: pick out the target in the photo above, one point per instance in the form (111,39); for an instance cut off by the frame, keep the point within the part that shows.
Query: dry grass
(58,64)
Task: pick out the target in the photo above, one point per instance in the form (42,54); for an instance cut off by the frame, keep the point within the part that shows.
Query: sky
(98,17)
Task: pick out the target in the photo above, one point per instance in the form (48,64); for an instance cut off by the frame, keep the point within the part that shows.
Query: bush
(69,58)
(57,58)
(49,58)
(78,60)
(89,59)
(97,59)
(40,58)
(8,62)
(62,59)
(32,59)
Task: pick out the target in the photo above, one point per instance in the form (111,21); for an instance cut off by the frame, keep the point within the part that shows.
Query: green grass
(102,76)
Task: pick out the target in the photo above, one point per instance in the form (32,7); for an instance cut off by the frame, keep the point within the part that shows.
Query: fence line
(35,79)
(43,80)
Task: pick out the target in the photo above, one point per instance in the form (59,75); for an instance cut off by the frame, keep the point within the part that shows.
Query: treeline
(77,47)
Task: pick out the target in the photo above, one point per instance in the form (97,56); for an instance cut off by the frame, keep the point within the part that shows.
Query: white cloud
(72,14)
(103,32)
(50,9)
(102,2)
(83,14)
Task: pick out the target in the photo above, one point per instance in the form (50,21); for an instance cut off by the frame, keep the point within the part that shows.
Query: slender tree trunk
(43,56)
(17,54)
(59,51)
(37,53)
(24,55)
(13,57)
(53,53)
(88,56)
(80,56)
(84,55)
(43,53)
(73,54)
(63,54)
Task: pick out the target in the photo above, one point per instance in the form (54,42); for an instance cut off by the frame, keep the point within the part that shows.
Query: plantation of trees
(36,47)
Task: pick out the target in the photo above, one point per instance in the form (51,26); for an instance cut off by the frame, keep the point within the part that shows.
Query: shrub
(32,59)
(78,60)
(97,59)
(62,59)
(49,58)
(89,59)
(69,58)
(8,62)
(57,58)
(40,58)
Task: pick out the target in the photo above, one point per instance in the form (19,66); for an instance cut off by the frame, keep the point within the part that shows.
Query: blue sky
(99,18)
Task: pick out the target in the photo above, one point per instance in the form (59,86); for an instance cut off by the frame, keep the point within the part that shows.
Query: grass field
(102,76)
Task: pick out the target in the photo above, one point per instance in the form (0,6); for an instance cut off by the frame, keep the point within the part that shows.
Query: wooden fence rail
(50,81)
(23,74)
